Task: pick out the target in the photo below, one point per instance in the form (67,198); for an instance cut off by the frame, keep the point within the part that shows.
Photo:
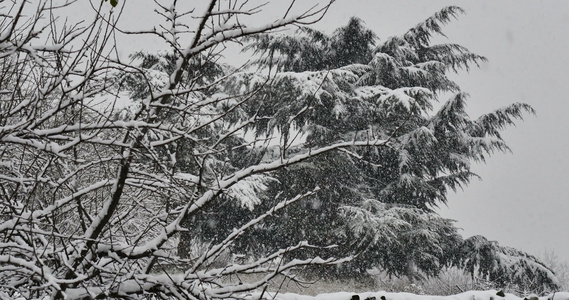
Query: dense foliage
(505,266)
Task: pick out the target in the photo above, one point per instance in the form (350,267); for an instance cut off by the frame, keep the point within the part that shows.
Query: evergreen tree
(376,203)
(504,265)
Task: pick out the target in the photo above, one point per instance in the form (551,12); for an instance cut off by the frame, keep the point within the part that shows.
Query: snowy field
(471,295)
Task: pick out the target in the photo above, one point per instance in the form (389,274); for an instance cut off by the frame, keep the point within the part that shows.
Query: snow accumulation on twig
(470,295)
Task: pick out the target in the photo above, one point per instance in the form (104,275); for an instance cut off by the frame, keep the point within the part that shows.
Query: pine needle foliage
(376,203)
(504,265)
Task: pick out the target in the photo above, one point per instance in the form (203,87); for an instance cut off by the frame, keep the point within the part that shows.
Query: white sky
(522,199)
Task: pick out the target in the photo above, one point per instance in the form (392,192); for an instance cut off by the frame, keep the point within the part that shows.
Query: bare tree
(93,197)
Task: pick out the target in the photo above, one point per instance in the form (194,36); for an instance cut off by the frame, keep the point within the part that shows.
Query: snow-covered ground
(470,295)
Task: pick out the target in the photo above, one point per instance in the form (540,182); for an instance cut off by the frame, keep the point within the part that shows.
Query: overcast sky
(522,199)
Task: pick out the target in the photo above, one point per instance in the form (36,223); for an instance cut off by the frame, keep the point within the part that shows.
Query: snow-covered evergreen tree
(376,203)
